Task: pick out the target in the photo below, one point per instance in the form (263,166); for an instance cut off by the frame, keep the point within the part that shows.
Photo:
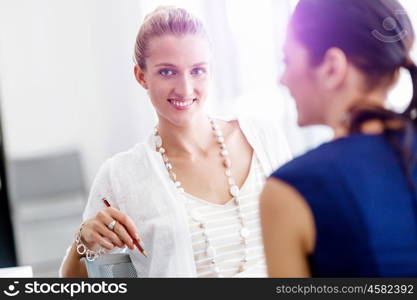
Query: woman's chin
(301,122)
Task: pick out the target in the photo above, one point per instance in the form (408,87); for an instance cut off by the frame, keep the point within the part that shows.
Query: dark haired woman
(349,207)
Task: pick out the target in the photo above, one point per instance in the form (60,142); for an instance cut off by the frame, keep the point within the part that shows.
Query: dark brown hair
(376,36)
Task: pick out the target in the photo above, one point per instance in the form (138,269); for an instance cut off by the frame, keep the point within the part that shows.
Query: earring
(345,119)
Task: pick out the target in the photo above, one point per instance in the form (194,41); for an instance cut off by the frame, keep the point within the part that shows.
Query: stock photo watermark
(72,289)
(391,24)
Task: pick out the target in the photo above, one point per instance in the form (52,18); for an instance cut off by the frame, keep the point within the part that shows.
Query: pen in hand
(137,243)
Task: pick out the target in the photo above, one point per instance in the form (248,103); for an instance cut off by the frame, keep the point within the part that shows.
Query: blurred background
(69,100)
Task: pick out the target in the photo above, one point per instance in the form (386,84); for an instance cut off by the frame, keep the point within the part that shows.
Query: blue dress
(364,211)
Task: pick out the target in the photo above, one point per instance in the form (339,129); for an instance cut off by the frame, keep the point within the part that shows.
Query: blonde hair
(162,21)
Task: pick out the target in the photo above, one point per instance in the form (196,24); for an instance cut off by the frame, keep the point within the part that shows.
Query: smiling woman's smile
(182,104)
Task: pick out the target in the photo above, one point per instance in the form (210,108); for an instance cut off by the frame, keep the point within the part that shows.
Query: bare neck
(186,141)
(338,117)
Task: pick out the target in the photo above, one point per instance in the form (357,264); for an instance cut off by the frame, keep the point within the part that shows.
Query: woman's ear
(333,69)
(140,77)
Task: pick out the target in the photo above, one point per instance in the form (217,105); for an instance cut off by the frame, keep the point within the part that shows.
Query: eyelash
(195,72)
(203,71)
(161,72)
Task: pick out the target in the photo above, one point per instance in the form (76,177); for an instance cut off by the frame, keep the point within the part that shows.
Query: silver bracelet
(82,249)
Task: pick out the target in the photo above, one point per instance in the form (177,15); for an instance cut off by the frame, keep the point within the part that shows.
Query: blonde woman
(190,192)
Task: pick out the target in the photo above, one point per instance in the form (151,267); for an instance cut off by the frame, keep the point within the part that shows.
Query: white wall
(66,78)
(400,96)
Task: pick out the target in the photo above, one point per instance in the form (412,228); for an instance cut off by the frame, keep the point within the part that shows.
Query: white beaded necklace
(233,190)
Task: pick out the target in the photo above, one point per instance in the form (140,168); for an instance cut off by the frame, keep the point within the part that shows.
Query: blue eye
(166,72)
(198,71)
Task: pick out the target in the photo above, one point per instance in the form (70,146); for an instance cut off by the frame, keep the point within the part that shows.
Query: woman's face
(177,77)
(302,81)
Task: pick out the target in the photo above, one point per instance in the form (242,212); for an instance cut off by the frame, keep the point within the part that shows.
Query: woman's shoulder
(136,152)
(268,140)
(313,161)
(246,122)
(325,159)
(253,127)
(129,159)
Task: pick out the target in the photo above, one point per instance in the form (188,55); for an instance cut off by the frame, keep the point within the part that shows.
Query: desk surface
(24,271)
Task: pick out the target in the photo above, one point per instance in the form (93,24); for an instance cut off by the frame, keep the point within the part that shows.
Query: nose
(184,86)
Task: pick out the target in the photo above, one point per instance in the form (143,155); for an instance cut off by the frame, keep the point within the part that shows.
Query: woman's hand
(95,232)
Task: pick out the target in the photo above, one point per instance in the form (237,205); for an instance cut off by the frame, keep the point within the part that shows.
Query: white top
(137,183)
(222,227)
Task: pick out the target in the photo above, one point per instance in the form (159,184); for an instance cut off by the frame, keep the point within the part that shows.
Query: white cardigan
(137,183)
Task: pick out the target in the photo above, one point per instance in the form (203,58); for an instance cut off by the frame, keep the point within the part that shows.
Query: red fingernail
(106,203)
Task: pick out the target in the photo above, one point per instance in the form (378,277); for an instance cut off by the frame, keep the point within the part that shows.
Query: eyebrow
(172,65)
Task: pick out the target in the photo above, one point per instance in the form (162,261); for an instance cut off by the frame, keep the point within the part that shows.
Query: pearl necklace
(233,190)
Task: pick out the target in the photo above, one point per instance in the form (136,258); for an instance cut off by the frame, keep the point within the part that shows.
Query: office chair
(47,192)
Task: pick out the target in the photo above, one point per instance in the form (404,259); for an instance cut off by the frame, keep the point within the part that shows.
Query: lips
(182,104)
